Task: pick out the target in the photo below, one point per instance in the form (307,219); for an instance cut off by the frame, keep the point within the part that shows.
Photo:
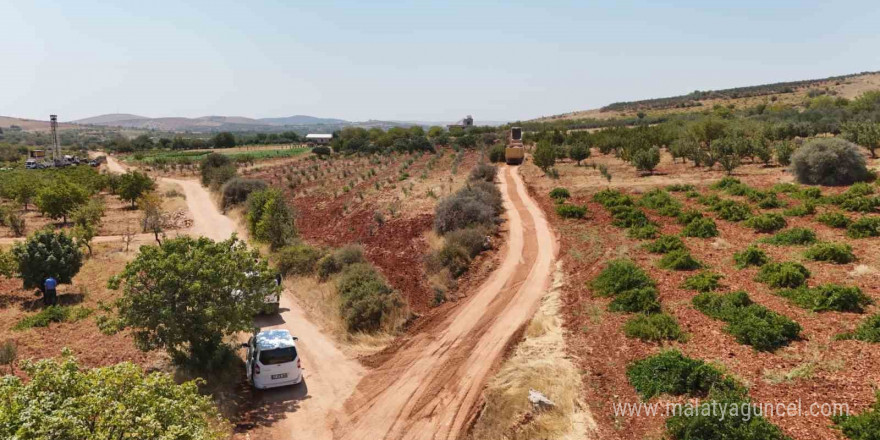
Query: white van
(272,360)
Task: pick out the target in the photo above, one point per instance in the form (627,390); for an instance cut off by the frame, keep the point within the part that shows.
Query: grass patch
(732,211)
(701,227)
(673,373)
(645,232)
(751,324)
(864,426)
(864,227)
(618,276)
(571,211)
(53,314)
(828,297)
(768,222)
(781,275)
(834,219)
(655,327)
(804,209)
(679,260)
(705,281)
(839,253)
(665,244)
(751,256)
(792,237)
(639,300)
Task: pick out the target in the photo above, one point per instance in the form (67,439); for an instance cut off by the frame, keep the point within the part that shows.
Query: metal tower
(56,149)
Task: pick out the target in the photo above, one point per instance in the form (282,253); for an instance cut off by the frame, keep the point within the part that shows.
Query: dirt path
(295,412)
(430,386)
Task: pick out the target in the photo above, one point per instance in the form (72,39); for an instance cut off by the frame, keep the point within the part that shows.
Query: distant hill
(108,119)
(790,92)
(302,120)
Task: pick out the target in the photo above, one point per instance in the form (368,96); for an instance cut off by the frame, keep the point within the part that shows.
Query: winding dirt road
(430,386)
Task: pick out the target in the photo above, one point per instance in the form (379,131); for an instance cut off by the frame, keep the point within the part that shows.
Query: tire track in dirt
(429,387)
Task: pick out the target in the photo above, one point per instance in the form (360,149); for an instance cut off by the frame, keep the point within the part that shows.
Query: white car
(272,360)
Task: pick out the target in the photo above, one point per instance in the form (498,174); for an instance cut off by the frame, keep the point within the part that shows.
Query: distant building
(319,139)
(468,121)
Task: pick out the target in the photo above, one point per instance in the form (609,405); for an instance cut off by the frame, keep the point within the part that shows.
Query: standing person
(50,297)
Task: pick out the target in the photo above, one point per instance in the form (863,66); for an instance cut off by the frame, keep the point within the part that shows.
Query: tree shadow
(35,302)
(263,321)
(267,407)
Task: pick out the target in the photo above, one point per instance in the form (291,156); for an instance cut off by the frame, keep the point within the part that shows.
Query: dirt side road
(430,386)
(329,378)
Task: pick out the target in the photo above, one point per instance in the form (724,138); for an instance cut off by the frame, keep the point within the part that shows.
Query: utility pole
(56,149)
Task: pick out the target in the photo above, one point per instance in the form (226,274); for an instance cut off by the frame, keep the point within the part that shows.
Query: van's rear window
(277,356)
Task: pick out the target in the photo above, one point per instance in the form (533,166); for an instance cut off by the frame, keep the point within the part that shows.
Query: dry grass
(321,303)
(540,363)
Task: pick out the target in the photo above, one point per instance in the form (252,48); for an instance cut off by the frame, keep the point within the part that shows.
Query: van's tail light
(298,363)
(256,369)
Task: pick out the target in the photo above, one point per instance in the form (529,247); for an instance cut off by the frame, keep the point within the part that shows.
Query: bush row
(750,323)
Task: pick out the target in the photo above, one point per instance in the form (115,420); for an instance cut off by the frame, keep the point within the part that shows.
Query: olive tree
(829,161)
(63,400)
(132,185)
(187,294)
(579,152)
(545,155)
(865,134)
(58,199)
(270,218)
(45,254)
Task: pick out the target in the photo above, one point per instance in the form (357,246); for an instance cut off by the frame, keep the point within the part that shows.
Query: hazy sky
(415,60)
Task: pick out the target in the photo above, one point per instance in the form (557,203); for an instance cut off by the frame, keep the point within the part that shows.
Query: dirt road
(430,386)
(295,412)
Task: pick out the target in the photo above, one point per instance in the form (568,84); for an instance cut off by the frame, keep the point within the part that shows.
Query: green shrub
(809,193)
(833,219)
(654,327)
(828,297)
(670,372)
(725,183)
(792,237)
(785,188)
(681,187)
(626,216)
(367,301)
(609,198)
(829,161)
(703,282)
(688,216)
(785,274)
(732,211)
(571,211)
(857,204)
(741,189)
(473,240)
(270,219)
(867,331)
(709,200)
(767,222)
(679,260)
(864,227)
(751,324)
(864,426)
(644,232)
(237,190)
(337,260)
(559,194)
(618,276)
(665,244)
(53,314)
(692,194)
(769,201)
(703,421)
(805,208)
(660,200)
(297,259)
(840,253)
(483,171)
(751,256)
(454,257)
(860,189)
(217,169)
(639,300)
(701,227)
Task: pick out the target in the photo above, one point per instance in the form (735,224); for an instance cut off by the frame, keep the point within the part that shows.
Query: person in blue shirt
(50,296)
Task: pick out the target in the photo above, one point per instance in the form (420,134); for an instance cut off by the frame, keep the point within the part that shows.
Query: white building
(320,139)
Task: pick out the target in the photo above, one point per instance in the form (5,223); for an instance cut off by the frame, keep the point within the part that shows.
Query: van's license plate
(279,376)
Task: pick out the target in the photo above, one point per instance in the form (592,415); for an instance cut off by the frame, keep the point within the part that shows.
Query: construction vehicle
(514,153)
